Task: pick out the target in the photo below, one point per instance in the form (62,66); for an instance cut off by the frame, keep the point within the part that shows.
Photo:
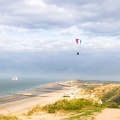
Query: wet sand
(49,88)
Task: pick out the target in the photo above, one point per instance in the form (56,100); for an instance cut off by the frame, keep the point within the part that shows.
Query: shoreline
(24,92)
(27,89)
(45,94)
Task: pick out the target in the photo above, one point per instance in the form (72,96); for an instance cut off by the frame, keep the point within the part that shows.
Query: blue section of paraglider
(80,41)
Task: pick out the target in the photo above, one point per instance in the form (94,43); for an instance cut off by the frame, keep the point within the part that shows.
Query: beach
(17,104)
(20,103)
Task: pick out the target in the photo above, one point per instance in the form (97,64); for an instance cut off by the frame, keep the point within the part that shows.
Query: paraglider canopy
(77,41)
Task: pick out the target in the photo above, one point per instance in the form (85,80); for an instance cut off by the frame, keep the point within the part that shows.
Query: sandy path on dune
(108,114)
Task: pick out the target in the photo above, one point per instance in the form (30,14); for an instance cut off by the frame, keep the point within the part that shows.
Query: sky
(37,39)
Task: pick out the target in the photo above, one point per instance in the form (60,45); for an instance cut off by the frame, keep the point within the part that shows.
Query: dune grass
(112,98)
(9,117)
(70,105)
(85,114)
(80,107)
(34,110)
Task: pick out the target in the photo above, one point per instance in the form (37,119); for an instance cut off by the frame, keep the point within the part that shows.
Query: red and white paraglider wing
(77,41)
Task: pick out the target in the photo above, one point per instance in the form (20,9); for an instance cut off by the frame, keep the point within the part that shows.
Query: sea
(9,87)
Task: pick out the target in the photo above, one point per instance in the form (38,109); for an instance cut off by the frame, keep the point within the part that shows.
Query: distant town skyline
(37,38)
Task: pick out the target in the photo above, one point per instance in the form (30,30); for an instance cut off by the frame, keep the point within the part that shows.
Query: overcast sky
(37,38)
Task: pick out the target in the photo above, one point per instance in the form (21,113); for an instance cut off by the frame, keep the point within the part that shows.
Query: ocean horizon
(9,87)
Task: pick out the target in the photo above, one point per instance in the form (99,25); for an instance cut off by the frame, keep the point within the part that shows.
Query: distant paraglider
(77,53)
(78,42)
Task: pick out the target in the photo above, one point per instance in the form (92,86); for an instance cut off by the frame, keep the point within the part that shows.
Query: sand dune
(53,92)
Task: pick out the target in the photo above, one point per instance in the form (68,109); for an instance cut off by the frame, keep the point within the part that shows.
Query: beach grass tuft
(9,117)
(34,110)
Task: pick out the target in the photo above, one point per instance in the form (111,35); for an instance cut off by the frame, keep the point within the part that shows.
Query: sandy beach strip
(21,103)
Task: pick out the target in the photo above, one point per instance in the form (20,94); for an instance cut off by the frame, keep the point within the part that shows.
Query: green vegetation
(84,108)
(88,88)
(79,108)
(69,105)
(112,98)
(112,105)
(8,117)
(35,109)
(85,114)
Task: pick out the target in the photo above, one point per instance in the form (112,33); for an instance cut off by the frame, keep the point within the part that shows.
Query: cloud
(33,14)
(107,27)
(89,17)
(39,36)
(48,14)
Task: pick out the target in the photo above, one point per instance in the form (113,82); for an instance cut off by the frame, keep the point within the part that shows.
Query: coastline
(45,94)
(9,87)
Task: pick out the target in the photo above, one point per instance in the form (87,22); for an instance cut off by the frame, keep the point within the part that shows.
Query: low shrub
(112,105)
(69,105)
